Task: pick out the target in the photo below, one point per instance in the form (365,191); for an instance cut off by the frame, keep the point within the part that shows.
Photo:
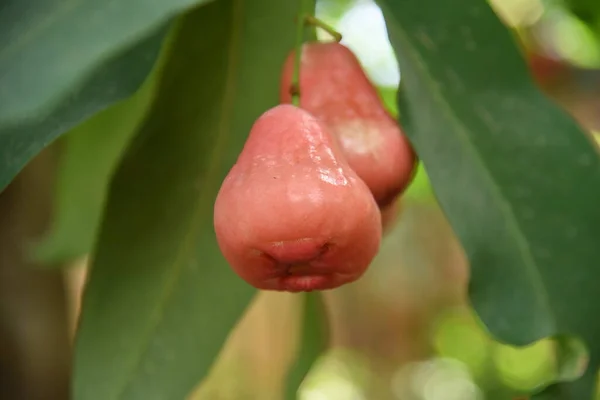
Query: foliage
(62,62)
(468,108)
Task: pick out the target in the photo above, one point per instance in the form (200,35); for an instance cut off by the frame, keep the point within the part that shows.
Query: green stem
(310,20)
(305,18)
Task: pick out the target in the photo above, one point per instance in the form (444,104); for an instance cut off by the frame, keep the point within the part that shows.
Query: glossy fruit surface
(334,88)
(291,214)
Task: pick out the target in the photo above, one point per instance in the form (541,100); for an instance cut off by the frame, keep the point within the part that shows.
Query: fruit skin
(292,215)
(334,88)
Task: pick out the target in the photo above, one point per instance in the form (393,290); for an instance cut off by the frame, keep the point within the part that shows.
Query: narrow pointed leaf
(517,178)
(48,47)
(161,299)
(111,81)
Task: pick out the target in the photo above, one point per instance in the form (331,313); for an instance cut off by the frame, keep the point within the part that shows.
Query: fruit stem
(306,18)
(310,20)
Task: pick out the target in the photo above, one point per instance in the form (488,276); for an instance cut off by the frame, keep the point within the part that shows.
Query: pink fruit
(334,88)
(291,214)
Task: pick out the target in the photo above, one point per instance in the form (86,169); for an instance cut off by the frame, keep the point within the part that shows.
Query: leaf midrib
(504,205)
(188,241)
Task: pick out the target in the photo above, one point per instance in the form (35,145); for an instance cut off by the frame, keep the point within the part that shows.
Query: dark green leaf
(572,359)
(62,61)
(161,298)
(586,10)
(313,342)
(581,389)
(114,80)
(517,178)
(89,156)
(48,47)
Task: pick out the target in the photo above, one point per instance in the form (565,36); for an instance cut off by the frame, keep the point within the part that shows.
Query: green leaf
(572,357)
(586,10)
(517,178)
(116,79)
(61,62)
(161,299)
(89,156)
(313,342)
(49,47)
(581,389)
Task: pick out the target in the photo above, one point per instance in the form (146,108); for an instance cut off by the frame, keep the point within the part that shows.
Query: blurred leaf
(518,13)
(586,10)
(574,40)
(90,154)
(526,368)
(61,62)
(113,81)
(572,357)
(313,342)
(332,10)
(567,391)
(459,337)
(517,178)
(161,299)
